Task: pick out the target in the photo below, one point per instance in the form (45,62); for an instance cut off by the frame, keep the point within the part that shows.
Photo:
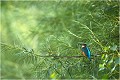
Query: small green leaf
(106,56)
(117,61)
(53,75)
(101,67)
(103,56)
(111,61)
(113,69)
(106,48)
(94,77)
(114,48)
(105,76)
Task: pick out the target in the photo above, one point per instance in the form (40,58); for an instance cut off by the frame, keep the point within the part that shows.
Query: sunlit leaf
(103,56)
(106,48)
(113,69)
(53,75)
(101,67)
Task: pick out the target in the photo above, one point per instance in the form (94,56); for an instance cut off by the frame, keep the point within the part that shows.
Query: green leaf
(94,77)
(103,56)
(53,75)
(114,48)
(106,48)
(105,76)
(113,69)
(117,61)
(101,67)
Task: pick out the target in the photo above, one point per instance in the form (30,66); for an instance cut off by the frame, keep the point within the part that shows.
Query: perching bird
(85,51)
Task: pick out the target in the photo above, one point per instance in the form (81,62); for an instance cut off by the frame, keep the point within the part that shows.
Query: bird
(86,51)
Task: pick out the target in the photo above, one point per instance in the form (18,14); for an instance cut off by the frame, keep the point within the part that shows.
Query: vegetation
(35,33)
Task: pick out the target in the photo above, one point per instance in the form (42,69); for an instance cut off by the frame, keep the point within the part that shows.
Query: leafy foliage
(31,30)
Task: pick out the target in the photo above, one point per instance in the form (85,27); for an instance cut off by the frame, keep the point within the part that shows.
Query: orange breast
(84,54)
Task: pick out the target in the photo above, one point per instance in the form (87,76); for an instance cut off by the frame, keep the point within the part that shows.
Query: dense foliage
(31,30)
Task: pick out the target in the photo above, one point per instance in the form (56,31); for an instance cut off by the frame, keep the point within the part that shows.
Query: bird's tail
(89,58)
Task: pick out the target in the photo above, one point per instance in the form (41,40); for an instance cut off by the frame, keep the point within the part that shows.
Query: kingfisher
(85,51)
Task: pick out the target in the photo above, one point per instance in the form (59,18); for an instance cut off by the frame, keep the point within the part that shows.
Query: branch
(66,56)
(63,56)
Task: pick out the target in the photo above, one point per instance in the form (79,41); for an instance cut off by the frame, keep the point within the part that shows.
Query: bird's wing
(88,52)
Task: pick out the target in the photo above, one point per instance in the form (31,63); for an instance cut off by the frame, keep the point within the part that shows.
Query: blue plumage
(86,51)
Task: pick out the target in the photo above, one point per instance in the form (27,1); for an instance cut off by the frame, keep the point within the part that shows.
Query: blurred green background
(30,29)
